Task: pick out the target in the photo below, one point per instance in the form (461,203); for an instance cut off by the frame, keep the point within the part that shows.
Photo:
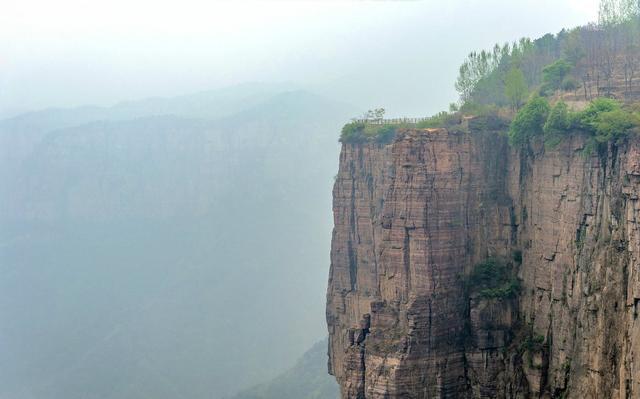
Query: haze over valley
(166,177)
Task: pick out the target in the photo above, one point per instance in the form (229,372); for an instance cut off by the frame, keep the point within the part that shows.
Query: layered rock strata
(414,217)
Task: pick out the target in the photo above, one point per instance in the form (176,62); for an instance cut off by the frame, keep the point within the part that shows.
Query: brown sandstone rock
(413,217)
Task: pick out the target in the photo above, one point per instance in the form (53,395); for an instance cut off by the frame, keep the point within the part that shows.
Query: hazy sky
(399,54)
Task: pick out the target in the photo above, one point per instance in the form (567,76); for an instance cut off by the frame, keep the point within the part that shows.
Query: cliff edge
(461,267)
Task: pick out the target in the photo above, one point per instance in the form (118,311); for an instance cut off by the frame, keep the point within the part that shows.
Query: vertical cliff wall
(414,217)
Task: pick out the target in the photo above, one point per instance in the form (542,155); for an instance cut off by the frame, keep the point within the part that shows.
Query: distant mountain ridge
(211,104)
(308,379)
(139,253)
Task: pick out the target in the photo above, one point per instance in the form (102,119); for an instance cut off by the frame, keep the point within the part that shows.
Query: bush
(358,132)
(570,84)
(517,256)
(557,125)
(558,120)
(605,119)
(493,279)
(615,124)
(553,75)
(586,119)
(352,132)
(532,342)
(529,121)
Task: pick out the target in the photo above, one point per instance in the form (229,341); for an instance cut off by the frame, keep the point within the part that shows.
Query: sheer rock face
(413,217)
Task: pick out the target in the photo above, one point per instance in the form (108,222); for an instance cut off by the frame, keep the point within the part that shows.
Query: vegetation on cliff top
(593,64)
(379,130)
(588,59)
(552,87)
(602,120)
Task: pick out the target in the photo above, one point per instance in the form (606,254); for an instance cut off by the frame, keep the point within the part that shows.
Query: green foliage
(612,12)
(588,51)
(529,121)
(488,122)
(572,47)
(553,75)
(381,134)
(507,290)
(352,132)
(588,117)
(374,114)
(615,124)
(516,89)
(557,125)
(493,279)
(517,256)
(441,119)
(533,342)
(558,121)
(359,132)
(475,108)
(478,66)
(603,120)
(570,84)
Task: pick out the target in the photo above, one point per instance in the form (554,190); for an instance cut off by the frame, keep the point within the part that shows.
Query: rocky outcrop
(413,219)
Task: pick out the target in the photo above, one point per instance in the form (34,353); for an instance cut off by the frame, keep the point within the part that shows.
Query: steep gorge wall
(413,217)
(578,230)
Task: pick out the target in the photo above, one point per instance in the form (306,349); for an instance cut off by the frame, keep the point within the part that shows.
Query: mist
(166,173)
(396,54)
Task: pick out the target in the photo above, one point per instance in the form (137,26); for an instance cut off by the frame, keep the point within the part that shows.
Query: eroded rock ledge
(412,220)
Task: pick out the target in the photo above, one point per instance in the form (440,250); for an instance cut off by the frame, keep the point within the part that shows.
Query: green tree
(516,89)
(614,124)
(529,121)
(605,119)
(477,66)
(553,75)
(558,124)
(376,114)
(558,121)
(587,119)
(613,12)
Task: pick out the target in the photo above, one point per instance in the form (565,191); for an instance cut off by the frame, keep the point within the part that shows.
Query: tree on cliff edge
(516,89)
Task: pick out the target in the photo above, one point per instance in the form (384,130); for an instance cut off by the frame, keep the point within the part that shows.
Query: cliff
(417,223)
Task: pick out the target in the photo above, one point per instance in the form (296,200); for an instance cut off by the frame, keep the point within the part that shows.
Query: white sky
(399,54)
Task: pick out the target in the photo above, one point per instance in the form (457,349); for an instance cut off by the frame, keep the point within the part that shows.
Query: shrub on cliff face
(529,121)
(493,279)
